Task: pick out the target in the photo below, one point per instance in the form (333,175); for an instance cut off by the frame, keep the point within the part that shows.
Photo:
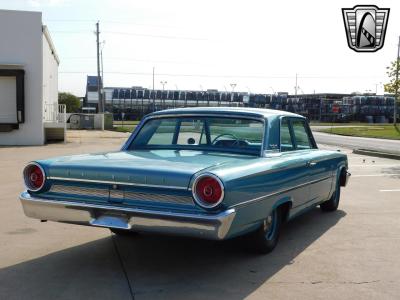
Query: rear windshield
(201,133)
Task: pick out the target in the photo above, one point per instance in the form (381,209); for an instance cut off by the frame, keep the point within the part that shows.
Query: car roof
(245,111)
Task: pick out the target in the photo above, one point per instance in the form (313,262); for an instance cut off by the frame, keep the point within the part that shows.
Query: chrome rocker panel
(214,227)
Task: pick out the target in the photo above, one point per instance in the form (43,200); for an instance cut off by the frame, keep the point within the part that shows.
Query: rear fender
(287,200)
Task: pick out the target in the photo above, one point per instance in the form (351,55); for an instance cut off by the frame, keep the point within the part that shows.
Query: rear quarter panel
(255,189)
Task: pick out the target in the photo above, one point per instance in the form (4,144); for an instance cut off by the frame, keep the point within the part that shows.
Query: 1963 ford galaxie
(212,173)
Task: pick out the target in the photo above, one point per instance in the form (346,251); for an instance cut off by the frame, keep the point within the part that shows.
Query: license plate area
(112,221)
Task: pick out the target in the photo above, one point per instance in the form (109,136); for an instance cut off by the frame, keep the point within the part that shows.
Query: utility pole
(103,94)
(295,88)
(396,93)
(99,85)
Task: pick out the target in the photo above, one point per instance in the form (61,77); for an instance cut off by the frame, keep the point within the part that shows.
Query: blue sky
(259,45)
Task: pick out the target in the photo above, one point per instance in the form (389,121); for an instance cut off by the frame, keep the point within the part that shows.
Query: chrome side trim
(201,225)
(279,192)
(206,114)
(120,183)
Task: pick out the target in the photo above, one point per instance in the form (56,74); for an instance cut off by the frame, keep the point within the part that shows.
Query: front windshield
(201,133)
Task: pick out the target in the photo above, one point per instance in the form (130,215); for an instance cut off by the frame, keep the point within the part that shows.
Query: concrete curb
(377,153)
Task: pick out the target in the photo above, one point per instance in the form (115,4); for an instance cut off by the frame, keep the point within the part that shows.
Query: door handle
(311,163)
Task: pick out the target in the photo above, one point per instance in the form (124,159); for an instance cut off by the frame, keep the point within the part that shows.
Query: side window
(286,140)
(301,135)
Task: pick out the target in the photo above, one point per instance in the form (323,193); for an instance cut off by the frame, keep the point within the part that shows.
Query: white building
(29,110)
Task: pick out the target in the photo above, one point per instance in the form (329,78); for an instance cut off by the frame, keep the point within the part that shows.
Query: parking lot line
(374,165)
(374,175)
(398,190)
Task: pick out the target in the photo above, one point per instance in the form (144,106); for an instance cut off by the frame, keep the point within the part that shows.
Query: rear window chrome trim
(205,115)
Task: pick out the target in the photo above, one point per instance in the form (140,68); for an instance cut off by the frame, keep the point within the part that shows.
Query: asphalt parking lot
(352,253)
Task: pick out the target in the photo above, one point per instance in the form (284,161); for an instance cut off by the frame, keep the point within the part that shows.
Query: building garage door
(8,99)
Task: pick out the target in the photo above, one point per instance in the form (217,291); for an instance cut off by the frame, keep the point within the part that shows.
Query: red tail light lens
(208,190)
(34,177)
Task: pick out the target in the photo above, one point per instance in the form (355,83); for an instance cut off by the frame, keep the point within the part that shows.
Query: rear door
(319,169)
(297,173)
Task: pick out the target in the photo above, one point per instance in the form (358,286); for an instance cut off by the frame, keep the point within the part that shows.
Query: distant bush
(71,101)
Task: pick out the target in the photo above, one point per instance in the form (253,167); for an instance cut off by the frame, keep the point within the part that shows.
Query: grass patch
(343,124)
(382,131)
(124,128)
(130,123)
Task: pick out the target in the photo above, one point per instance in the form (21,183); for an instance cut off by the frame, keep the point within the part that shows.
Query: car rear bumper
(208,226)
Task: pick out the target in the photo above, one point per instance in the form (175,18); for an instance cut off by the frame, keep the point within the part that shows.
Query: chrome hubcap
(267,223)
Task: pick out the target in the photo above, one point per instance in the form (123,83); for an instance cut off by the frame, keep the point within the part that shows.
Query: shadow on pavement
(393,171)
(161,267)
(87,271)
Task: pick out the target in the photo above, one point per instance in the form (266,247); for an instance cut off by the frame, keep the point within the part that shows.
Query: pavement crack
(123,267)
(325,282)
(361,282)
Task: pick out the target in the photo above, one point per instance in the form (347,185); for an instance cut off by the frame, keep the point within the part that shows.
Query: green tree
(391,72)
(71,101)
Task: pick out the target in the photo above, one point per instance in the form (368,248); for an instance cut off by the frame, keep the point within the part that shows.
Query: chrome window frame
(261,119)
(314,145)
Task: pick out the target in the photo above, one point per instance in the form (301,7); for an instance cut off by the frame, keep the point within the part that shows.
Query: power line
(222,76)
(172,37)
(128,59)
(156,36)
(108,21)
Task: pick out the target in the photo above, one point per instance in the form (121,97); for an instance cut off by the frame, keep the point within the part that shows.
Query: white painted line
(374,175)
(372,165)
(389,190)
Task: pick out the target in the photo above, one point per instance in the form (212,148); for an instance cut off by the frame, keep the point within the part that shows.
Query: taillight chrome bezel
(199,201)
(26,177)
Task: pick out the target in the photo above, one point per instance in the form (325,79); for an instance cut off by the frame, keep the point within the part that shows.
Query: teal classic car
(213,173)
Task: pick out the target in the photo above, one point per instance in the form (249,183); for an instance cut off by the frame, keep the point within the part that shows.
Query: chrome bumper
(206,226)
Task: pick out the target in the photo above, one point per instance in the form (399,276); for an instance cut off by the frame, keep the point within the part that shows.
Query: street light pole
(163,82)
(233,85)
(376,87)
(176,91)
(271,94)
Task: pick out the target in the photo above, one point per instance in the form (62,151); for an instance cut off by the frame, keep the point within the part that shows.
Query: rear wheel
(333,203)
(266,237)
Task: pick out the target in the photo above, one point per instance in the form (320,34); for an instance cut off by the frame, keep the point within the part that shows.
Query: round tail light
(208,190)
(34,177)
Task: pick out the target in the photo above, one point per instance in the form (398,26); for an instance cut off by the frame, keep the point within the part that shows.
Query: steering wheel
(225,134)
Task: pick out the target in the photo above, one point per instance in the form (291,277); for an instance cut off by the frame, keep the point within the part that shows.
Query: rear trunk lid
(156,168)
